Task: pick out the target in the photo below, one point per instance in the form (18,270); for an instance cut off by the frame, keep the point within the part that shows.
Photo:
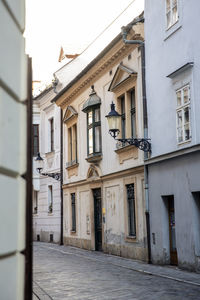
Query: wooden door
(97,219)
(172,232)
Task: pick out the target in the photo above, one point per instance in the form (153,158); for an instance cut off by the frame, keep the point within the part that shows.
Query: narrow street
(62,272)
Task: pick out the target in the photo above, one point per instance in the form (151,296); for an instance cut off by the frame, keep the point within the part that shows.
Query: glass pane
(174,14)
(168,5)
(90,118)
(132,98)
(90,140)
(97,115)
(178,95)
(179,118)
(98,139)
(122,105)
(174,3)
(186,94)
(180,135)
(133,131)
(186,115)
(35,128)
(187,131)
(168,19)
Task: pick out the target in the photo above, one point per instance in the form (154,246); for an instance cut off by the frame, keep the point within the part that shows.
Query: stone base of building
(79,243)
(47,236)
(126,251)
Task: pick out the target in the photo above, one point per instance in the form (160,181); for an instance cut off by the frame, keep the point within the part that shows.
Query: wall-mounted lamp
(40,165)
(114,119)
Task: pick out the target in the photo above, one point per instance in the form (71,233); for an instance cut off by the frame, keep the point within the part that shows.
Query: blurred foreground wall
(13,93)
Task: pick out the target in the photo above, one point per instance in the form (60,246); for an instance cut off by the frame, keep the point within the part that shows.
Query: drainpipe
(145,120)
(61,177)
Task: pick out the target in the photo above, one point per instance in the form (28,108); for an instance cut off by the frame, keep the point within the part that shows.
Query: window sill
(71,165)
(171,30)
(73,232)
(48,154)
(127,152)
(50,213)
(184,142)
(131,238)
(94,158)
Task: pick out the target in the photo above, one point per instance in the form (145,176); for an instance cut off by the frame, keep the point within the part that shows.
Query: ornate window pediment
(70,114)
(93,173)
(121,75)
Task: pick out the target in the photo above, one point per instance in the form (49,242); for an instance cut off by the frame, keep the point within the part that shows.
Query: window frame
(131,214)
(133,113)
(181,108)
(35,202)
(73,212)
(50,199)
(171,8)
(35,136)
(51,135)
(94,124)
(72,145)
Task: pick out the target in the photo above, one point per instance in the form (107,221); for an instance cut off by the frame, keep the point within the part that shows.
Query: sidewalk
(169,272)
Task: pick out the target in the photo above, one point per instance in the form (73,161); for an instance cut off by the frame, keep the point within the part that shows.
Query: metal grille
(131,209)
(73,211)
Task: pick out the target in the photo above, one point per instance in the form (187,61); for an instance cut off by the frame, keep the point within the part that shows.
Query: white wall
(45,223)
(166,51)
(13,90)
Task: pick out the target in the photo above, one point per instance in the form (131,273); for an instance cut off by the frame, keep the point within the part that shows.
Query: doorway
(172,231)
(97,219)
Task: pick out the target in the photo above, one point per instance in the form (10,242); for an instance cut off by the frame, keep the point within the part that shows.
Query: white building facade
(46,190)
(173,91)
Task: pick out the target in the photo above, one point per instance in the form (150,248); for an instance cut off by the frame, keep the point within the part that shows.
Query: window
(127,108)
(123,118)
(183,114)
(94,131)
(72,145)
(35,139)
(51,135)
(35,202)
(50,199)
(171,12)
(131,209)
(133,114)
(73,203)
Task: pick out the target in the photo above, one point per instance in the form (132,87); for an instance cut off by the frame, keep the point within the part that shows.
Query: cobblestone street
(62,272)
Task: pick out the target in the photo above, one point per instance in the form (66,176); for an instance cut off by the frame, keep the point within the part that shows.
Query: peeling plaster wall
(178,177)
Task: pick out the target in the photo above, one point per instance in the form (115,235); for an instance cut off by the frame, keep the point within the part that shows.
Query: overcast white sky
(52,23)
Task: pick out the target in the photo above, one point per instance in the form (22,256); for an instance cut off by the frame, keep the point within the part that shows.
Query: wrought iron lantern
(40,165)
(114,119)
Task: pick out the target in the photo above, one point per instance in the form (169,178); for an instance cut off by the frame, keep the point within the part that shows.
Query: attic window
(110,73)
(129,57)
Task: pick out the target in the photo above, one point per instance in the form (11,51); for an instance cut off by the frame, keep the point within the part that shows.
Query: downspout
(145,120)
(61,177)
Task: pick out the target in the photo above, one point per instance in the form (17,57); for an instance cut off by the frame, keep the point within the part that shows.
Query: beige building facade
(103,181)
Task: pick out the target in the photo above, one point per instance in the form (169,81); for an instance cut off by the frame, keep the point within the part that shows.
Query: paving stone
(62,272)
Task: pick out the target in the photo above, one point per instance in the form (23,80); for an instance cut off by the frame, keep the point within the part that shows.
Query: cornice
(111,58)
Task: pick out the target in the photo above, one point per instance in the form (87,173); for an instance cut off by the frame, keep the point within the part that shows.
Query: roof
(82,64)
(92,101)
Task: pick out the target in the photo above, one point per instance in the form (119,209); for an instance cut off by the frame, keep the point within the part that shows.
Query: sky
(51,24)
